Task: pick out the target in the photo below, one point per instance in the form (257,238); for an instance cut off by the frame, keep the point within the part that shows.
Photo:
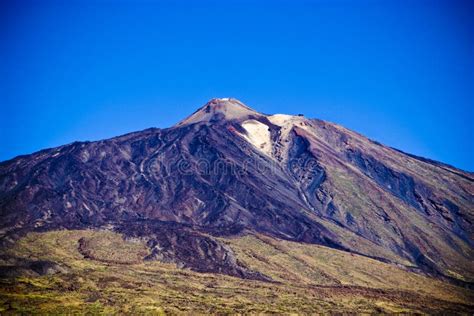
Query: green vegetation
(308,279)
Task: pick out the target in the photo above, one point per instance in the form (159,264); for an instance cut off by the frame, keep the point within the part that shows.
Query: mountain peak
(218,109)
(225,101)
(234,192)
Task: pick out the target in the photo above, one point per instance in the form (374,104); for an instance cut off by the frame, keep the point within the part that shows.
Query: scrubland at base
(101,272)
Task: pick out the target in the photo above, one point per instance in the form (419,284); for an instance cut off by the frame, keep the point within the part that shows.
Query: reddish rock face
(229,170)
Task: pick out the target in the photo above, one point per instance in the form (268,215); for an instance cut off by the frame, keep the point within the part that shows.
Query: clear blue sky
(400,72)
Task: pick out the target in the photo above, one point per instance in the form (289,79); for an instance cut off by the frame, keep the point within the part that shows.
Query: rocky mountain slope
(229,171)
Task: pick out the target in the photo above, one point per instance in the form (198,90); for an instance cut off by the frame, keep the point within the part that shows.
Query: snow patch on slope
(258,134)
(280,119)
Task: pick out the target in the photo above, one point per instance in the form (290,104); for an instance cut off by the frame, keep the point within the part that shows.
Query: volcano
(232,192)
